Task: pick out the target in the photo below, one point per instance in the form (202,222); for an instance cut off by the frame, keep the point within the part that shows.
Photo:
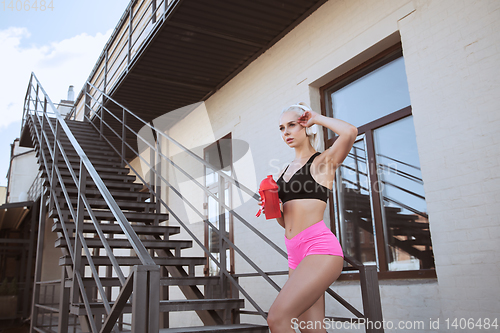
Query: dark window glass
(379,202)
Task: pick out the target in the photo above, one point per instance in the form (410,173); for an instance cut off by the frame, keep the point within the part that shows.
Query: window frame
(231,224)
(365,132)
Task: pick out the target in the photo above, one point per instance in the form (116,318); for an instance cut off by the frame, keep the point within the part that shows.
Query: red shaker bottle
(270,200)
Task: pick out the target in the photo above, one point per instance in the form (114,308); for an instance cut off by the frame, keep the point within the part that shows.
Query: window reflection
(404,213)
(378,93)
(357,231)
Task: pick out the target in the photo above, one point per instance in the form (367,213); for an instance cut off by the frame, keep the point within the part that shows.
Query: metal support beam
(145,299)
(34,215)
(38,262)
(124,137)
(63,304)
(77,249)
(55,160)
(153,11)
(87,110)
(370,294)
(105,72)
(130,21)
(158,172)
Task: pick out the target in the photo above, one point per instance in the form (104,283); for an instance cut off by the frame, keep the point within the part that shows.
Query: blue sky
(60,46)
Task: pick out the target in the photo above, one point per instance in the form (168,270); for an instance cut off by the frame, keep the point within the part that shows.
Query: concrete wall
(23,171)
(3,194)
(451,54)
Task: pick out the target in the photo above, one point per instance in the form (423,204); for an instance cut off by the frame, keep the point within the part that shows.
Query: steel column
(130,21)
(152,172)
(63,304)
(145,299)
(124,137)
(86,112)
(370,293)
(38,262)
(158,173)
(77,263)
(153,12)
(34,216)
(55,160)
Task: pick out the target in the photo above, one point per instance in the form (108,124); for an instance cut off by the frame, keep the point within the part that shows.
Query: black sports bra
(302,185)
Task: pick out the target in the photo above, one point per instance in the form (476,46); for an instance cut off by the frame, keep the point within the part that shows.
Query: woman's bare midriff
(300,214)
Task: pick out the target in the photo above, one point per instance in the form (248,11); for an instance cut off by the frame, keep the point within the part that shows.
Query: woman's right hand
(262,206)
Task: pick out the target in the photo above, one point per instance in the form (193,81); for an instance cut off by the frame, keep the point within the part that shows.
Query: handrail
(99,118)
(129,232)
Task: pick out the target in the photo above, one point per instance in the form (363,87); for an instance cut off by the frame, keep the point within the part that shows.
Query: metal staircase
(118,260)
(120,219)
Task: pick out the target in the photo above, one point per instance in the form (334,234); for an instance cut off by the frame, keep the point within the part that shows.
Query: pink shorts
(315,239)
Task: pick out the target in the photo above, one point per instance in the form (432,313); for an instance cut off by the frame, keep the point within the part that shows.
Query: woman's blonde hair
(311,132)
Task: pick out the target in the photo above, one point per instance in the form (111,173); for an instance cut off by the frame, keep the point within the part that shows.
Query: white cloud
(56,65)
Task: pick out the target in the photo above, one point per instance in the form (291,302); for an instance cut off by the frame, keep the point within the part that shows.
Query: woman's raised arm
(335,155)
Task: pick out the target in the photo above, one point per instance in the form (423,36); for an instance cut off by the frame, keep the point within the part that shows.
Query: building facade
(416,197)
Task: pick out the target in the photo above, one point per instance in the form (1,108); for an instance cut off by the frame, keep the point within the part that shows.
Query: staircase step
(110,184)
(125,205)
(75,160)
(106,215)
(190,281)
(117,194)
(75,126)
(132,261)
(87,141)
(76,167)
(125,244)
(108,228)
(90,145)
(169,306)
(218,328)
(99,156)
(112,176)
(166,281)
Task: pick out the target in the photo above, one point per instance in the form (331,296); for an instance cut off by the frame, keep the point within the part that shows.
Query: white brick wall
(451,51)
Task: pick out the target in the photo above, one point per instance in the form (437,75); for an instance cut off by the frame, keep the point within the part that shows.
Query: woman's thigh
(315,313)
(306,285)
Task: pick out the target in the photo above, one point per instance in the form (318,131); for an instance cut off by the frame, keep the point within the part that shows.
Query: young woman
(315,257)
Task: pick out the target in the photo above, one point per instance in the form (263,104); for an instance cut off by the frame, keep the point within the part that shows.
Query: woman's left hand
(308,118)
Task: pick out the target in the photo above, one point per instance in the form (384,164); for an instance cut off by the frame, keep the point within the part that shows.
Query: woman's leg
(312,320)
(305,286)
(316,313)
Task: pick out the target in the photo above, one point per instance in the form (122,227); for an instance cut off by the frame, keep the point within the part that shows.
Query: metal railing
(47,315)
(368,273)
(48,132)
(133,32)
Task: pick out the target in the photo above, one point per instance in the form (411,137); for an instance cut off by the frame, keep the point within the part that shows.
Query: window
(379,201)
(218,154)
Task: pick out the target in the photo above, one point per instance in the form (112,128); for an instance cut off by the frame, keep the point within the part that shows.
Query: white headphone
(309,130)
